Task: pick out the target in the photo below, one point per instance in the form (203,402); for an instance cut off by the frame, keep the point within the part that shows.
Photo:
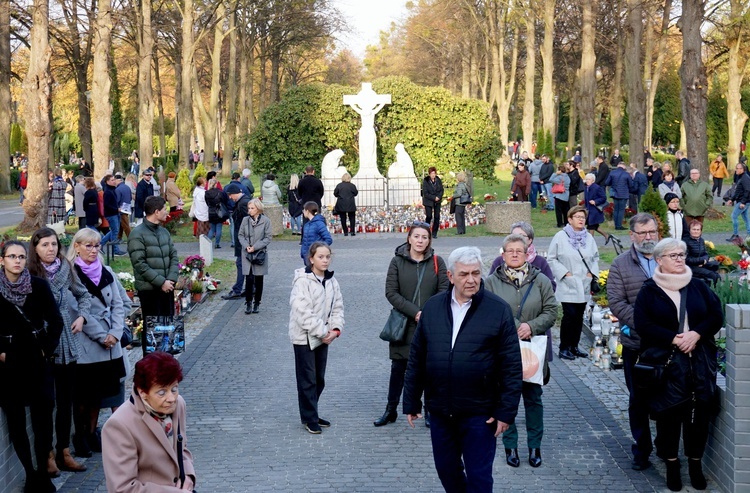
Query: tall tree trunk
(185,109)
(634,81)
(100,86)
(37,92)
(231,123)
(615,106)
(465,68)
(6,111)
(502,87)
(548,62)
(694,84)
(242,128)
(656,75)
(476,84)
(177,92)
(528,99)
(160,108)
(587,81)
(573,124)
(145,94)
(275,68)
(84,111)
(738,62)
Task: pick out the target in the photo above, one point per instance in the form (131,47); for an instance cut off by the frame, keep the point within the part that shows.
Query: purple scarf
(577,239)
(52,269)
(15,292)
(93,270)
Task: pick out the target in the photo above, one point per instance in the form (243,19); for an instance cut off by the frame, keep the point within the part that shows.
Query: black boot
(674,481)
(248,309)
(389,416)
(697,479)
(511,457)
(81,446)
(535,457)
(255,306)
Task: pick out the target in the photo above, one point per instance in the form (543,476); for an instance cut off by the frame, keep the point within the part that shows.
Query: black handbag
(222,212)
(649,372)
(395,327)
(256,258)
(595,287)
(465,198)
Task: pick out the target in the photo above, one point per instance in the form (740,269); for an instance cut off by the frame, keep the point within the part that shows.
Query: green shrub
(183,183)
(15,138)
(199,171)
(652,203)
(129,141)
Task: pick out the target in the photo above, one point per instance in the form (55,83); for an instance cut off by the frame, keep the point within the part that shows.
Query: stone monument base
(275,213)
(500,215)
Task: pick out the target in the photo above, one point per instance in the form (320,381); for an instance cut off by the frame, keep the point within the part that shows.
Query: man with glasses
(143,190)
(626,276)
(155,273)
(741,199)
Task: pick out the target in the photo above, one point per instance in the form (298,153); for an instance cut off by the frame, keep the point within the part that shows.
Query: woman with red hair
(133,439)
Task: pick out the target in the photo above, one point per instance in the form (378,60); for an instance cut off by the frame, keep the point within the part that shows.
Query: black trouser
(396,382)
(460,219)
(561,212)
(571,324)
(429,211)
(310,369)
(253,288)
(718,183)
(81,222)
(155,303)
(350,215)
(41,424)
(637,410)
(694,435)
(65,379)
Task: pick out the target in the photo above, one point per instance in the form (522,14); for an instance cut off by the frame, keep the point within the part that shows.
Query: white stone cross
(367,103)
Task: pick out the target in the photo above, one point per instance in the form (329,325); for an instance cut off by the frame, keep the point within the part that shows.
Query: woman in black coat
(677,317)
(26,354)
(215,197)
(345,205)
(91,203)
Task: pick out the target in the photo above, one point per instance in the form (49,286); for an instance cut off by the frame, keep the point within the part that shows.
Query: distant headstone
(207,249)
(275,213)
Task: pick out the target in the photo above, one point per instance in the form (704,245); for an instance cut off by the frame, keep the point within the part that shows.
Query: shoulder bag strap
(683,308)
(435,263)
(180,460)
(523,300)
(419,284)
(583,260)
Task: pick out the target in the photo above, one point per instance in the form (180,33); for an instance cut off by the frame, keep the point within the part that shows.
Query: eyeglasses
(578,216)
(675,256)
(643,234)
(92,247)
(515,252)
(15,257)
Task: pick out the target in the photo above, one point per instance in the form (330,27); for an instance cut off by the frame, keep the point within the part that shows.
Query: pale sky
(366,19)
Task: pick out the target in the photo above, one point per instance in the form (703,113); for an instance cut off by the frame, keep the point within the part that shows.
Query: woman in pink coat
(143,443)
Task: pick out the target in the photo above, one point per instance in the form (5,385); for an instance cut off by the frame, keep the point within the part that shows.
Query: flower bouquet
(127,280)
(195,262)
(601,297)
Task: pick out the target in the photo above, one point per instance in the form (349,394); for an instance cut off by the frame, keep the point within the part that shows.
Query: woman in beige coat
(143,443)
(172,192)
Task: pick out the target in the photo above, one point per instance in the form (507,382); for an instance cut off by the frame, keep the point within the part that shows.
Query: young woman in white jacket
(315,321)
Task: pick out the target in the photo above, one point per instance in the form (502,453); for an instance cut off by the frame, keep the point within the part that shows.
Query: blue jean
(619,213)
(536,189)
(463,450)
(237,288)
(297,224)
(114,228)
(736,213)
(214,231)
(548,192)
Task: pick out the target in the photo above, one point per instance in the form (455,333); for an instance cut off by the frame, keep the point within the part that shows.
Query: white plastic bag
(533,353)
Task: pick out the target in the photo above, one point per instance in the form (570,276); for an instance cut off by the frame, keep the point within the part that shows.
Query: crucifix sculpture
(367,103)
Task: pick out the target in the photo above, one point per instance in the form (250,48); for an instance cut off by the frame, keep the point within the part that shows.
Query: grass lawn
(220,269)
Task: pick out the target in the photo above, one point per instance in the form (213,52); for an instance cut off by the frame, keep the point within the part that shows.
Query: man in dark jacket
(466,358)
(111,213)
(653,172)
(548,169)
(626,276)
(143,190)
(741,199)
(234,192)
(432,196)
(616,159)
(576,183)
(683,167)
(621,184)
(124,200)
(602,172)
(154,259)
(310,188)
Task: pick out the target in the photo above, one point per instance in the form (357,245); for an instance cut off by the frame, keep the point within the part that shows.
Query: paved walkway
(244,428)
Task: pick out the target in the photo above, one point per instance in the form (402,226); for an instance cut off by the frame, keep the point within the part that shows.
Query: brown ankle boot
(52,469)
(66,462)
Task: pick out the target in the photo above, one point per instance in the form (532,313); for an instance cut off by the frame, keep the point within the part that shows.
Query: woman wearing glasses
(677,317)
(100,365)
(26,355)
(414,275)
(574,260)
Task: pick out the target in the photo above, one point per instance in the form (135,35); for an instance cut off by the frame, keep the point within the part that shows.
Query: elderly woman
(254,237)
(200,207)
(677,317)
(522,183)
(47,262)
(462,189)
(215,199)
(316,319)
(414,275)
(100,366)
(594,199)
(145,439)
(172,192)
(26,349)
(269,192)
(345,204)
(561,192)
(56,206)
(574,260)
(669,185)
(531,294)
